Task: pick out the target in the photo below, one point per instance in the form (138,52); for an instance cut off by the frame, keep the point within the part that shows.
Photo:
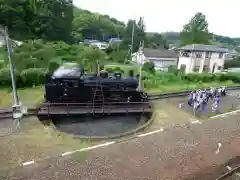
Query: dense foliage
(88,25)
(235,63)
(60,20)
(196,31)
(41,54)
(35,76)
(47,19)
(51,31)
(224,41)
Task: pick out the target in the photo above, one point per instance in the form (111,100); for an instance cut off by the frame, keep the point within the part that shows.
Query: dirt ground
(32,141)
(37,141)
(182,152)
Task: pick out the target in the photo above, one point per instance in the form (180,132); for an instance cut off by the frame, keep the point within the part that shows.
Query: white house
(2,41)
(100,45)
(162,59)
(201,58)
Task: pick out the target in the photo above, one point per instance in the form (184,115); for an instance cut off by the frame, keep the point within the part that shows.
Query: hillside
(75,24)
(67,23)
(174,38)
(95,26)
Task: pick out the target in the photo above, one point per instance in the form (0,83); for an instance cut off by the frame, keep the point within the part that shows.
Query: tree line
(61,20)
(50,31)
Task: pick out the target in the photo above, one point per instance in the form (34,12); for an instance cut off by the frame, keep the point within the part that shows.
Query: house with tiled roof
(161,58)
(201,58)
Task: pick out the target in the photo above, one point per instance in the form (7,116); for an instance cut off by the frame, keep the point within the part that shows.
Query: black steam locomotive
(69,84)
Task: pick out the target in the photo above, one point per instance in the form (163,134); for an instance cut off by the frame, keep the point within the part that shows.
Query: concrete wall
(192,61)
(140,58)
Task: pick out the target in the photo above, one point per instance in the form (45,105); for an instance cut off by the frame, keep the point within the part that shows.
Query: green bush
(110,70)
(2,63)
(5,78)
(207,77)
(32,76)
(174,70)
(149,67)
(159,79)
(54,64)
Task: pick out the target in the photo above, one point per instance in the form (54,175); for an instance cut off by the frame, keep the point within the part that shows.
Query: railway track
(231,173)
(8,113)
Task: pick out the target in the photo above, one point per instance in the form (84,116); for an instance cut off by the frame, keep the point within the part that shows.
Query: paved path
(227,103)
(177,153)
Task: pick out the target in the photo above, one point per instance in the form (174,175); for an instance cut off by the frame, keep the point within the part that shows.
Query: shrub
(149,67)
(54,64)
(5,78)
(2,64)
(32,76)
(110,70)
(174,70)
(118,69)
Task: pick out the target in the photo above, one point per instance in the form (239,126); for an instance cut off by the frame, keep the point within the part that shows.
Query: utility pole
(192,65)
(128,53)
(17,108)
(141,46)
(133,31)
(9,48)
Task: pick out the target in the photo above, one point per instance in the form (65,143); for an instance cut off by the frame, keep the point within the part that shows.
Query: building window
(183,68)
(198,55)
(185,54)
(208,54)
(220,55)
(205,68)
(196,68)
(219,68)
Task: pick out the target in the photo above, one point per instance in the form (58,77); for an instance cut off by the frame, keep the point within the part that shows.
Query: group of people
(200,98)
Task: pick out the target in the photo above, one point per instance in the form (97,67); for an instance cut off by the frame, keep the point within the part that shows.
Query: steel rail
(7,113)
(229,173)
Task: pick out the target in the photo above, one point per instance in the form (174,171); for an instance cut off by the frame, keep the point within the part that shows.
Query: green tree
(196,31)
(118,56)
(235,63)
(149,67)
(139,34)
(92,57)
(156,41)
(48,19)
(95,26)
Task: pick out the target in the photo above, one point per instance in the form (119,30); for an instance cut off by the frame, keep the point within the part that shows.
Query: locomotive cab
(64,83)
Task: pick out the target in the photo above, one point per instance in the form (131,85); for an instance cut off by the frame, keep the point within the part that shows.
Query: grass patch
(32,96)
(28,96)
(187,86)
(126,68)
(79,156)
